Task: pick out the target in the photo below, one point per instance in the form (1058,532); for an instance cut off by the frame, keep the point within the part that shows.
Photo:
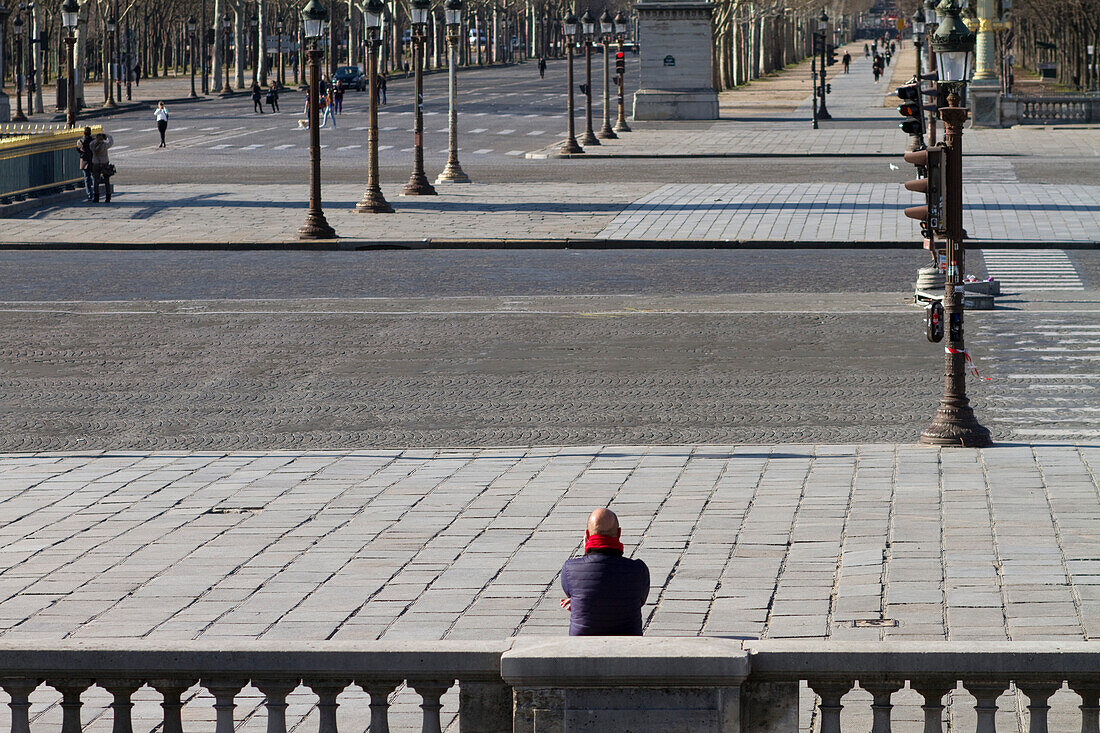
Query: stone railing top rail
(409,659)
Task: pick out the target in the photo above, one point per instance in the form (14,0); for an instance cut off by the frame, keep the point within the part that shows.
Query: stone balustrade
(1048,110)
(561,684)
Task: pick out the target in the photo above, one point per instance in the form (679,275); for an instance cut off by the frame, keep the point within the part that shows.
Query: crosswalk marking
(478,130)
(1046,269)
(506,132)
(483,151)
(514,152)
(349,147)
(536,132)
(284,147)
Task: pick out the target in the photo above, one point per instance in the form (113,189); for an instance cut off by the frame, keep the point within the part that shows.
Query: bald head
(603,521)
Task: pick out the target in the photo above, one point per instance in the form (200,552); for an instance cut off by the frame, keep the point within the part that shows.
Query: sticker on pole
(670,61)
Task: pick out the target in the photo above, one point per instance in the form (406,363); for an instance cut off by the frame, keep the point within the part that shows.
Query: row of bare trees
(1059,32)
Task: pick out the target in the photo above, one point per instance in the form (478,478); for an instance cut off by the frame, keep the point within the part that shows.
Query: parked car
(352,77)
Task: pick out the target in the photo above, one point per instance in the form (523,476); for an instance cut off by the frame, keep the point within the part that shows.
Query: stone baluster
(172,693)
(430,691)
(986,694)
(1090,706)
(71,690)
(275,692)
(19,689)
(1038,695)
(830,706)
(933,694)
(122,706)
(327,691)
(224,691)
(881,706)
(379,691)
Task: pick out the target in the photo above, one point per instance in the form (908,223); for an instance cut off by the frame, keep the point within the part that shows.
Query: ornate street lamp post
(17,29)
(955,423)
(373,202)
(607,31)
(588,27)
(823,27)
(227,25)
(452,172)
(279,28)
(109,96)
(191,25)
(569,24)
(316,226)
(418,184)
(254,50)
(70,15)
(620,78)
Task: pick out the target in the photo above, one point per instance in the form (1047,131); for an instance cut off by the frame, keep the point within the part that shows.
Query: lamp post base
(621,126)
(452,173)
(316,227)
(956,425)
(589,138)
(418,185)
(373,202)
(570,147)
(607,133)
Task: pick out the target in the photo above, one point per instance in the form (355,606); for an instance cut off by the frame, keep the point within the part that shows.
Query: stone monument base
(985,103)
(679,104)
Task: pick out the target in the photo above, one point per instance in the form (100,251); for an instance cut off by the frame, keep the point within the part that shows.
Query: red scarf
(602,542)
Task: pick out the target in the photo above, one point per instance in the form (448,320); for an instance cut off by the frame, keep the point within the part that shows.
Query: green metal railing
(37,160)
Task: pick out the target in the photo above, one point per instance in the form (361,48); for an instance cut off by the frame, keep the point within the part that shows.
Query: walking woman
(161,116)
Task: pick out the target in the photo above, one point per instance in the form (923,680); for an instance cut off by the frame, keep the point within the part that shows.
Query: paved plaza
(870,541)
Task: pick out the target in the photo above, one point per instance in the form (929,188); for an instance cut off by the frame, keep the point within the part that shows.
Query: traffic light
(933,321)
(620,63)
(930,163)
(832,56)
(910,109)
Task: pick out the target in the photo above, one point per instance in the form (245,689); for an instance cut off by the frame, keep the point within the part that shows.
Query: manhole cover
(862,622)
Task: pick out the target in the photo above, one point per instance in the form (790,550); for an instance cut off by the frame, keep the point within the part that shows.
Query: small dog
(303,124)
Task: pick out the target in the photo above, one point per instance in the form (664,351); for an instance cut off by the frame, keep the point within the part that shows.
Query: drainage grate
(865,622)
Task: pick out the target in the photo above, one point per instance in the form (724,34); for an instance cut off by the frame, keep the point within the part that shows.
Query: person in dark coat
(604,591)
(84,150)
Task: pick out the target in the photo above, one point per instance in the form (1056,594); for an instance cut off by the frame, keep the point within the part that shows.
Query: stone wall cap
(784,658)
(617,661)
(357,659)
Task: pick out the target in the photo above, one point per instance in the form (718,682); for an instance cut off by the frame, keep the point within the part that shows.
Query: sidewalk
(561,215)
(874,541)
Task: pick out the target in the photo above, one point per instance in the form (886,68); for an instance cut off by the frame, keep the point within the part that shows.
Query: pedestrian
(338,98)
(102,169)
(876,67)
(847,61)
(382,86)
(542,67)
(84,150)
(328,105)
(257,98)
(160,114)
(866,50)
(273,98)
(604,591)
(887,57)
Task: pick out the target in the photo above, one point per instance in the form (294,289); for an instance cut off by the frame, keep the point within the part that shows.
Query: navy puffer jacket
(606,593)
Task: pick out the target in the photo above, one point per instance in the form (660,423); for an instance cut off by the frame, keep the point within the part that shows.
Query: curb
(89,113)
(671,156)
(519,244)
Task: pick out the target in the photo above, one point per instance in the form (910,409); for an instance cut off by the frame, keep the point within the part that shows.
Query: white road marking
(349,147)
(536,132)
(483,151)
(284,147)
(515,152)
(506,132)
(478,130)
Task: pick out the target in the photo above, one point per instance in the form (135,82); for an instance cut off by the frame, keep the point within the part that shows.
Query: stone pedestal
(676,79)
(985,103)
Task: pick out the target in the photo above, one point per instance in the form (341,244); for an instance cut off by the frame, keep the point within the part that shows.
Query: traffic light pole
(620,80)
(813,85)
(955,423)
(916,141)
(823,111)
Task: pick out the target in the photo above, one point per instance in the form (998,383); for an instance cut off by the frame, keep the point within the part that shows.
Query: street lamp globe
(110,24)
(314,16)
(823,21)
(253,22)
(373,13)
(70,13)
(607,24)
(569,23)
(17,25)
(953,43)
(620,23)
(420,10)
(227,21)
(192,24)
(588,24)
(918,22)
(452,9)
(931,17)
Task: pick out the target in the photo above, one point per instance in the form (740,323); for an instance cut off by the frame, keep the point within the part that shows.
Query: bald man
(604,591)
